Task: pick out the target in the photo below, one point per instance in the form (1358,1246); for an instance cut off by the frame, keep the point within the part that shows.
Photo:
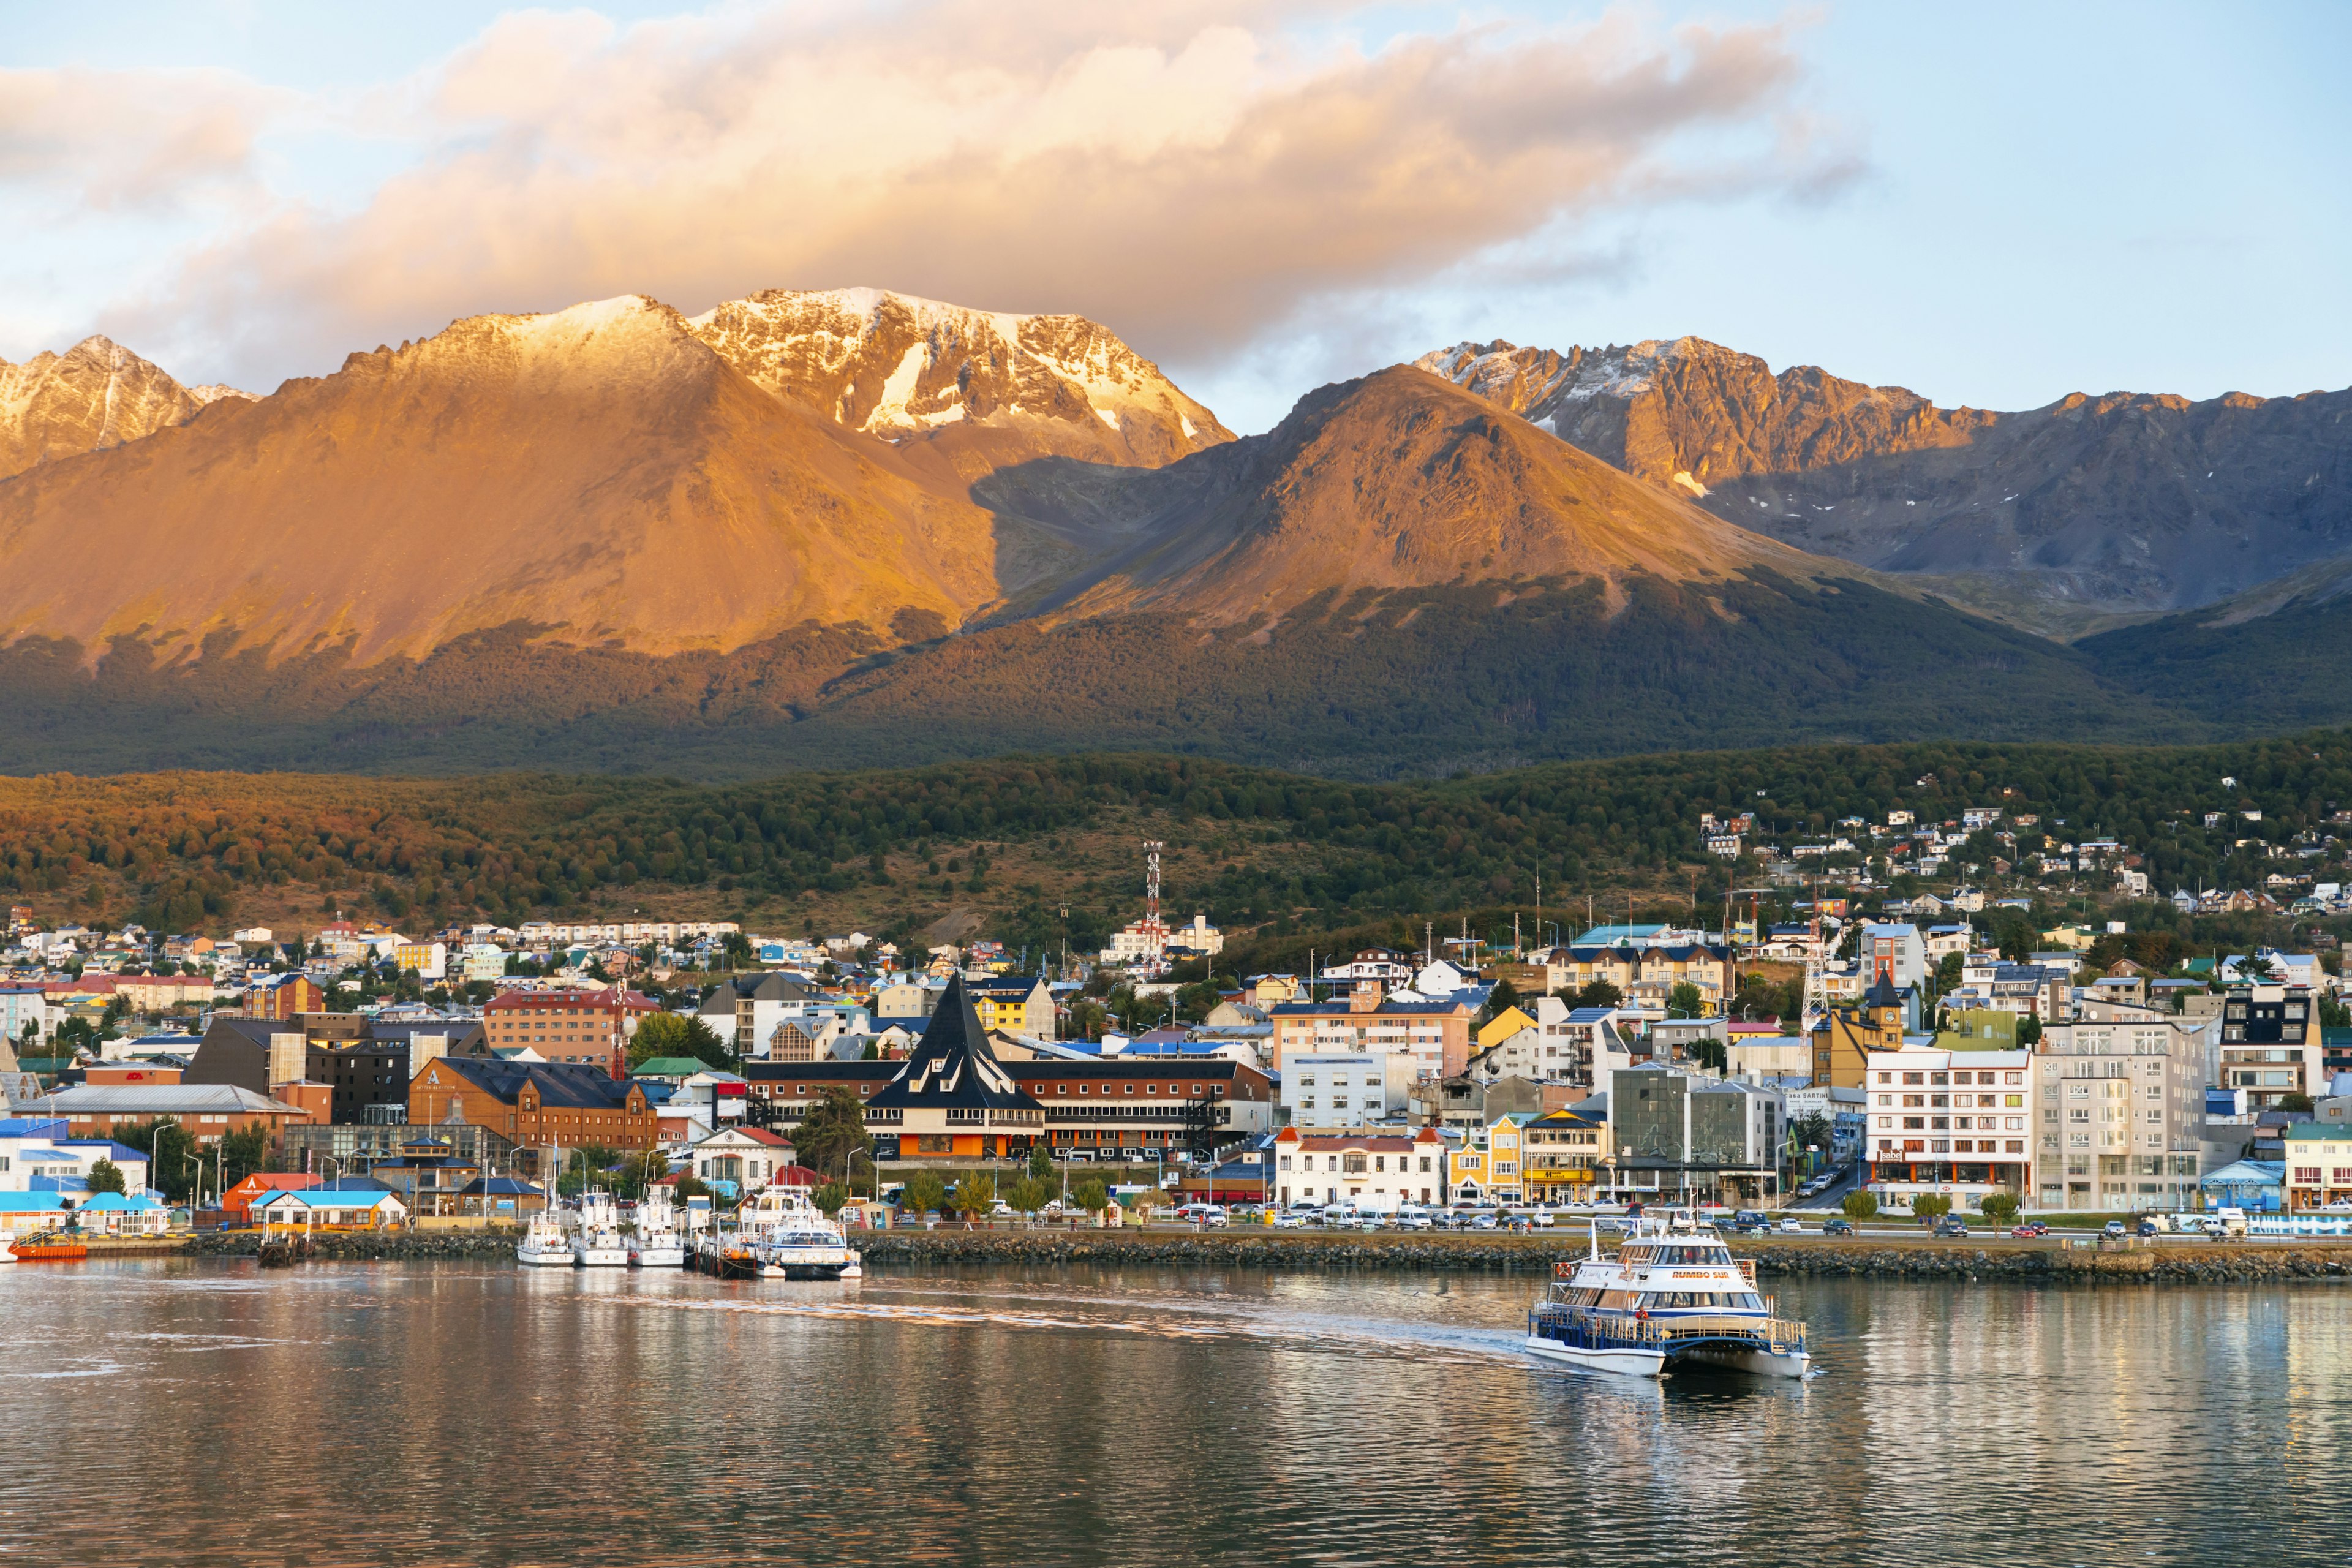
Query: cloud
(101,141)
(1193,177)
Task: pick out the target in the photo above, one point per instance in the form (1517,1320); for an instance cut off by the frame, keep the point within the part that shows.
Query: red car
(2029,1230)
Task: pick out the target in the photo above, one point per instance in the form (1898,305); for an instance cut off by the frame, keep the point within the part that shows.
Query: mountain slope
(2088,506)
(965,390)
(1396,480)
(599,473)
(96,394)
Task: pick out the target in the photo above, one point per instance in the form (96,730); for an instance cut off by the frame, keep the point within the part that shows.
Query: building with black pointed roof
(951,1099)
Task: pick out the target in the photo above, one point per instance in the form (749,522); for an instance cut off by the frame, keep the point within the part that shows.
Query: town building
(951,1099)
(1434,1034)
(737,1161)
(568,1027)
(1844,1038)
(1676,1136)
(2317,1167)
(2271,1047)
(1486,1164)
(1371,1170)
(1561,1154)
(367,1079)
(2120,1114)
(1345,1089)
(208,1112)
(535,1105)
(1956,1123)
(1015,1004)
(284,998)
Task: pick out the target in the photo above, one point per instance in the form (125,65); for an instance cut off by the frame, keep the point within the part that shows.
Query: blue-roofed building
(116,1213)
(23,1214)
(2254,1185)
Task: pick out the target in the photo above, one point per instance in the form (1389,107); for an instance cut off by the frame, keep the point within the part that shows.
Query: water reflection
(203,1413)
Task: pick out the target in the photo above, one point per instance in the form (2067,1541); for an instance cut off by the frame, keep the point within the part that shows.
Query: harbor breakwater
(1867,1258)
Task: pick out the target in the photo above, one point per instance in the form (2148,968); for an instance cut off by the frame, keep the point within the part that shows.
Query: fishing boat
(1671,1292)
(49,1246)
(787,1237)
(656,1243)
(545,1243)
(596,1240)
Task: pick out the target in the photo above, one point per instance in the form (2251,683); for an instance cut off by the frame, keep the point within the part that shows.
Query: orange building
(537,1104)
(285,997)
(568,1025)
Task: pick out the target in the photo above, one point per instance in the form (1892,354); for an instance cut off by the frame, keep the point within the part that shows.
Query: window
(1914,1077)
(1151,1088)
(1130,1088)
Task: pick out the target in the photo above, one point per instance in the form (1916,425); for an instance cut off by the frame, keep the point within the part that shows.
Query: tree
(1029,1195)
(2295,1103)
(2334,1014)
(169,1149)
(1144,1202)
(1504,997)
(1712,1053)
(1861,1205)
(1931,1206)
(1812,1128)
(924,1191)
(975,1193)
(1091,1196)
(244,1154)
(1041,1162)
(1600,994)
(2028,1030)
(1685,1001)
(830,1196)
(106,1176)
(690,1185)
(680,1035)
(831,1135)
(1999,1207)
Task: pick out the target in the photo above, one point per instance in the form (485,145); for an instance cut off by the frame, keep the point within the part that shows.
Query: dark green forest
(188,850)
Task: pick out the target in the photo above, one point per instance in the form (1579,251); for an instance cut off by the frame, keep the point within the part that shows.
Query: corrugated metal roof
(164,1100)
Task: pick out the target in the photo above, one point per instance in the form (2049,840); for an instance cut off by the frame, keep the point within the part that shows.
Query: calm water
(201,1412)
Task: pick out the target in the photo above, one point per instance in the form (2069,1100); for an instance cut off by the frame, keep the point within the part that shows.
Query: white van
(2228,1221)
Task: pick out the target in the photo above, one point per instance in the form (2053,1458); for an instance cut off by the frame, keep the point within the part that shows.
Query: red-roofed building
(1376,1170)
(239,1203)
(741,1161)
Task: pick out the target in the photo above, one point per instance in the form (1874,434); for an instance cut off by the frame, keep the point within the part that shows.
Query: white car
(1541,1215)
(1789,1227)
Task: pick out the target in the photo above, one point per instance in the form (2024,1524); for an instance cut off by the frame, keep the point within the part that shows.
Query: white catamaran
(656,1243)
(1673,1292)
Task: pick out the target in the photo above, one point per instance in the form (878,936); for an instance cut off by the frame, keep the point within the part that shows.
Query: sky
(1993,206)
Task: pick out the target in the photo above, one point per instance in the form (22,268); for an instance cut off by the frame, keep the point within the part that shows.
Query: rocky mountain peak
(909,369)
(96,394)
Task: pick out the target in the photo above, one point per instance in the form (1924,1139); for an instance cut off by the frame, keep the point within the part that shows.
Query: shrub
(1861,1205)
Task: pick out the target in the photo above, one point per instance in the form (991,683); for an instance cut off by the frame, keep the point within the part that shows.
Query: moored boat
(787,1237)
(656,1243)
(544,1243)
(597,1242)
(1673,1292)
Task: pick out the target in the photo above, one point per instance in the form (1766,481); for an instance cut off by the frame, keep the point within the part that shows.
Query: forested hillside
(1016,842)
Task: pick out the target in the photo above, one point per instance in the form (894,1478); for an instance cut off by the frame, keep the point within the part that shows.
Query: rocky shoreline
(1292,1253)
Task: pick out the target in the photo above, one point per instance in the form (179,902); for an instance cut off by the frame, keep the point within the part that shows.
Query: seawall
(2186,1263)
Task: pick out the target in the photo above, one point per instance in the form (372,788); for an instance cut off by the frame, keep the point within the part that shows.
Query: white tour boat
(656,1243)
(787,1237)
(598,1243)
(1673,1292)
(544,1243)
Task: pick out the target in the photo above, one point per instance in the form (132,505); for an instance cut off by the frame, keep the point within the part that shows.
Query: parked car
(2113,1227)
(1838,1226)
(1482,1222)
(2150,1228)
(1411,1217)
(1789,1226)
(1291,1219)
(1951,1224)
(2028,1230)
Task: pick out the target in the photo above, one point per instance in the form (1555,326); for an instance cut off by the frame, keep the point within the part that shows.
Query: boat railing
(1747,1271)
(1682,1328)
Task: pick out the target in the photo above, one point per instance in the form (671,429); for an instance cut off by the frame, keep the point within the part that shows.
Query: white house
(321,1207)
(741,1160)
(1370,1170)
(1345,1089)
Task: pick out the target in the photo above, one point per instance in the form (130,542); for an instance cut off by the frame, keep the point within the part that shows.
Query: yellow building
(1561,1155)
(1844,1037)
(1014,1004)
(1487,1163)
(1503,1026)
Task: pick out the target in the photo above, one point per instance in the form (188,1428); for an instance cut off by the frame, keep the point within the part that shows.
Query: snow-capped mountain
(2053,517)
(97,394)
(910,370)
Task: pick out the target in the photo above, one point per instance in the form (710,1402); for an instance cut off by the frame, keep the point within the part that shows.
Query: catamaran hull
(531,1259)
(657,1257)
(601,1256)
(1762,1363)
(1628,1362)
(806,1269)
